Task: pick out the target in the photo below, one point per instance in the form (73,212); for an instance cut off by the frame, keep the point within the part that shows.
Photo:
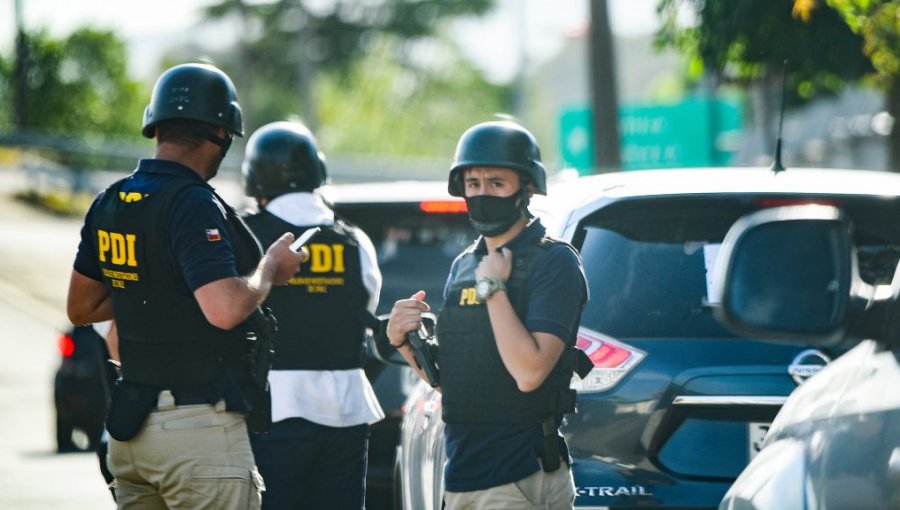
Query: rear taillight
(765,203)
(66,345)
(443,206)
(612,361)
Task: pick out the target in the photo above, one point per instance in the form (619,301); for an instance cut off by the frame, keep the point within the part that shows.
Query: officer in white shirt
(315,454)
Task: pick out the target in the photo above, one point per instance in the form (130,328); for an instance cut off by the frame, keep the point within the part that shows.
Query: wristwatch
(487,286)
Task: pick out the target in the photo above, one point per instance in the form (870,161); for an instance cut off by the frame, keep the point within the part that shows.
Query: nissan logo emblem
(806,364)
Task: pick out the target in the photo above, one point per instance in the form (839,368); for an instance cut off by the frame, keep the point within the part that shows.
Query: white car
(792,273)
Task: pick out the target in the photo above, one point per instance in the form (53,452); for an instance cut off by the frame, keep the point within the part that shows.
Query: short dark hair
(185,132)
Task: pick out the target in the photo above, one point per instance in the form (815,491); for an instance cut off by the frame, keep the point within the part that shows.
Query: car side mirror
(789,273)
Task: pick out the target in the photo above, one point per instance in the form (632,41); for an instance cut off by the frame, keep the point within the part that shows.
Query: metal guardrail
(46,176)
(87,145)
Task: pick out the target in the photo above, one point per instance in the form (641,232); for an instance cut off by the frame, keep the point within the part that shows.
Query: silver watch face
(482,289)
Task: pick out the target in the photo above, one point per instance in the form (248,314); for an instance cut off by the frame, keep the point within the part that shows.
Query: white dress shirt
(335,398)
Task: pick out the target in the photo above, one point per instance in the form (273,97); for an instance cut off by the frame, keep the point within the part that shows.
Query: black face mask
(492,215)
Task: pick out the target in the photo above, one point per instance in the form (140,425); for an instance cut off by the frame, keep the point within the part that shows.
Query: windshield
(646,288)
(416,254)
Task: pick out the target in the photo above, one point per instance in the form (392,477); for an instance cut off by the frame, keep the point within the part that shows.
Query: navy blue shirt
(481,456)
(198,233)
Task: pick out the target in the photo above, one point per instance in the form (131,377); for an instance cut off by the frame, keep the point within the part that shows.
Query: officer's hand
(496,264)
(287,261)
(406,316)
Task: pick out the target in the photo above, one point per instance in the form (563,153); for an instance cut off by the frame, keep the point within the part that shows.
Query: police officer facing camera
(506,333)
(181,274)
(315,454)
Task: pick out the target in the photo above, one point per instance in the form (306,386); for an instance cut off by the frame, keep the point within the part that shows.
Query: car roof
(570,200)
(410,191)
(735,180)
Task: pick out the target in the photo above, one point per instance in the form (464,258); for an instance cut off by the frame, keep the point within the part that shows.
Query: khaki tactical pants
(189,457)
(540,491)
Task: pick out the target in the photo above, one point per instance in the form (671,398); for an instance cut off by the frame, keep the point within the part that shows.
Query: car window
(649,263)
(649,287)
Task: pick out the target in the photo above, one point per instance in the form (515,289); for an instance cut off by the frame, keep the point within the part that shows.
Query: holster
(259,419)
(550,457)
(262,330)
(128,409)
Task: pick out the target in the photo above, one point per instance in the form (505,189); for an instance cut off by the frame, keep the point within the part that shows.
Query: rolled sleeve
(86,260)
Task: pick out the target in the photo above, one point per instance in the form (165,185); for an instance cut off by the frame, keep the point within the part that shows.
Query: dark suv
(676,405)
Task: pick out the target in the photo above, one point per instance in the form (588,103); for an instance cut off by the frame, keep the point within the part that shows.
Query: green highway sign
(694,132)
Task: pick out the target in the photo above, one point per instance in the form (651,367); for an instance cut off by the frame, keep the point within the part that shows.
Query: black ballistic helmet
(502,144)
(197,92)
(282,157)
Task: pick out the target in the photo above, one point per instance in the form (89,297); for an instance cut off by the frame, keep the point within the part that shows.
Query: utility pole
(20,72)
(520,89)
(604,96)
(307,75)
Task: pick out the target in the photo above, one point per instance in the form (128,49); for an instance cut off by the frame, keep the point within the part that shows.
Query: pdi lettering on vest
(467,297)
(119,247)
(131,196)
(326,257)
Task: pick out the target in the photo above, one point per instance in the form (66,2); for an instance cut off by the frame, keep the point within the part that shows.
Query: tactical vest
(164,338)
(475,384)
(320,310)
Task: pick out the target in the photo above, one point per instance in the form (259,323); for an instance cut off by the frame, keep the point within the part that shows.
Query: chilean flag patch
(212,234)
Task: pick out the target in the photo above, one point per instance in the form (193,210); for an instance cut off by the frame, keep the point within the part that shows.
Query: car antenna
(776,163)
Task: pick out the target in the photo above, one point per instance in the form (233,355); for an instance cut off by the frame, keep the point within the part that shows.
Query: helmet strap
(223,143)
(526,199)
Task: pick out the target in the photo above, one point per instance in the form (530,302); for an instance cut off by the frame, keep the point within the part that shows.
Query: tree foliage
(287,44)
(380,103)
(744,40)
(332,34)
(6,92)
(828,43)
(80,107)
(878,23)
(78,85)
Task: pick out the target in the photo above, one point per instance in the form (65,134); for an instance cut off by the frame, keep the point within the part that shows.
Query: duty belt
(183,397)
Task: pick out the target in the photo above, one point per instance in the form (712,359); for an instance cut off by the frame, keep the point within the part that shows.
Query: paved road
(37,247)
(36,253)
(36,250)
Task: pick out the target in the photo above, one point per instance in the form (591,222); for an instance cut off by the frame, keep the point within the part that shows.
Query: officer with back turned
(506,333)
(183,277)
(315,455)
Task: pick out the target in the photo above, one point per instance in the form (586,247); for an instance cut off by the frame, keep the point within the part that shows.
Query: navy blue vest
(475,384)
(320,311)
(164,338)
